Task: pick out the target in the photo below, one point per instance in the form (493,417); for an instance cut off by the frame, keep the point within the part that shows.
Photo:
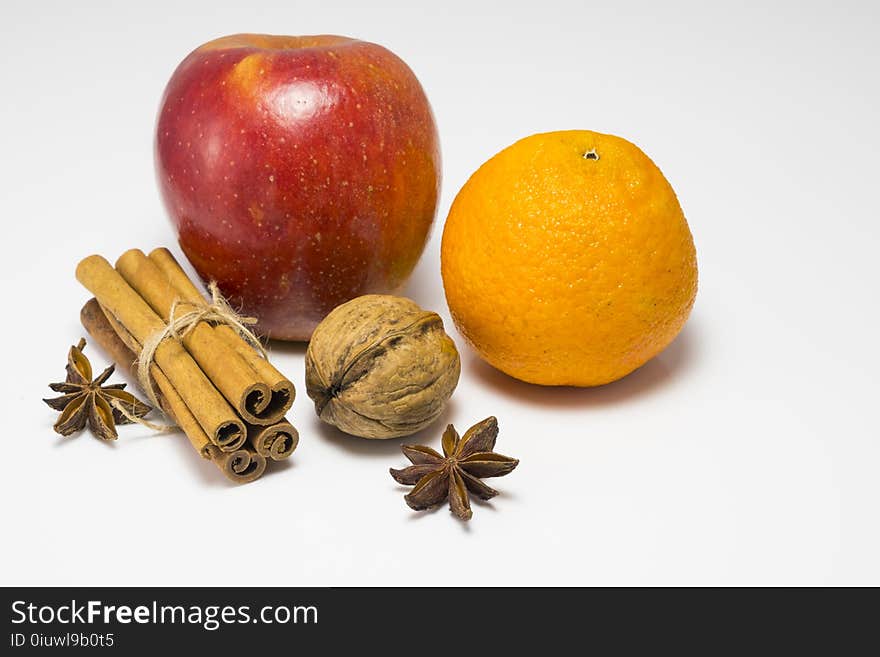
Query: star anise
(458,471)
(86,400)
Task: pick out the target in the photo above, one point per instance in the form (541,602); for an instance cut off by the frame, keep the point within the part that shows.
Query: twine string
(160,427)
(218,312)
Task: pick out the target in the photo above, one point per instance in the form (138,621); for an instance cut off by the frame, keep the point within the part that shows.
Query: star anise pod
(87,400)
(457,472)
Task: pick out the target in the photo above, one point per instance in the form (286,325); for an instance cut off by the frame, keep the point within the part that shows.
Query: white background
(747,453)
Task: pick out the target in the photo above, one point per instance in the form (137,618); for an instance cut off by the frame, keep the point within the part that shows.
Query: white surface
(747,453)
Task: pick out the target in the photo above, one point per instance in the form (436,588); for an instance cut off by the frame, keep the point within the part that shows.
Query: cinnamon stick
(282,390)
(217,419)
(241,466)
(277,441)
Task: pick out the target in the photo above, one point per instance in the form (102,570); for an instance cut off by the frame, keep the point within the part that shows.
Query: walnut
(379,366)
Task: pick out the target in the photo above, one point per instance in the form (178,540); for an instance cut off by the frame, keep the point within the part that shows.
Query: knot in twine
(218,312)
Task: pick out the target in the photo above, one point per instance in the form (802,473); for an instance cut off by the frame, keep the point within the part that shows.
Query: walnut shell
(379,366)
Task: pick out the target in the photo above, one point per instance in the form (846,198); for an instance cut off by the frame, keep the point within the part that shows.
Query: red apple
(300,172)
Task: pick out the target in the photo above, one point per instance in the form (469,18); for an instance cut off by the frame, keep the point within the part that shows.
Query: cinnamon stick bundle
(203,372)
(137,322)
(241,466)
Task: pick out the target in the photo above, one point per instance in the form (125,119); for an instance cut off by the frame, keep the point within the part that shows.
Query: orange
(567,260)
